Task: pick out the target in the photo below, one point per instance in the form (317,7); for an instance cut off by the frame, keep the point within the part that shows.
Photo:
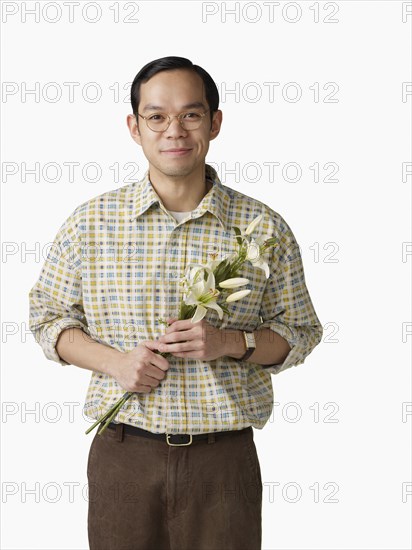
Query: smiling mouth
(176,152)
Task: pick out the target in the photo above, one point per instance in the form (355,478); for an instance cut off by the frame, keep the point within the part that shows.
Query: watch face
(250,337)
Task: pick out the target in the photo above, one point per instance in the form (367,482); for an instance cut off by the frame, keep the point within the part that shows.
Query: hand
(199,340)
(141,369)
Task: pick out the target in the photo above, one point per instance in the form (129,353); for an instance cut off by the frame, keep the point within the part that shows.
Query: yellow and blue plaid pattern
(115,267)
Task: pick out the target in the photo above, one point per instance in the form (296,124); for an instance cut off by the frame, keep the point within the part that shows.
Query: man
(114,271)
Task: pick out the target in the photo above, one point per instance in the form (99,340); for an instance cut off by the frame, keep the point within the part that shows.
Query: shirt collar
(216,201)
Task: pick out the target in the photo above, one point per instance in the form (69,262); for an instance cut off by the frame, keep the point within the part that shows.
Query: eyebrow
(194,105)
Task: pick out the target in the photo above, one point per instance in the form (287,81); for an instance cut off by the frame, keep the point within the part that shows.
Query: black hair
(168,64)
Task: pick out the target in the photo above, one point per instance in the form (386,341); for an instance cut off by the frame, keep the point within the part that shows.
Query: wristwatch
(250,344)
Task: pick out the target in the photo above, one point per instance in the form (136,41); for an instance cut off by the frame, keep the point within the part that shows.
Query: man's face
(173,92)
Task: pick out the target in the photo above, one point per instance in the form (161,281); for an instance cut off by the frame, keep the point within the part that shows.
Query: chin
(177,170)
(177,173)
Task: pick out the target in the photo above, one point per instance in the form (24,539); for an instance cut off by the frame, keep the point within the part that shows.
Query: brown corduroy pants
(147,495)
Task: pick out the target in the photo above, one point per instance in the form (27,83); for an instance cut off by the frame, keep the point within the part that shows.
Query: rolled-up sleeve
(55,301)
(286,306)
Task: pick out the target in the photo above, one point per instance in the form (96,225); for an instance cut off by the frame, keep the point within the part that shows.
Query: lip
(177,152)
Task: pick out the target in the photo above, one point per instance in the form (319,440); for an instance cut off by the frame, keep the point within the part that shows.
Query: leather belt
(174,440)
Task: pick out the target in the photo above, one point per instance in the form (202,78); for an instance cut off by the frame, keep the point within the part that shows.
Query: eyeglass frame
(170,120)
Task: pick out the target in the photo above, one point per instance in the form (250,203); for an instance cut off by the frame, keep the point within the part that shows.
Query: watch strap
(249,349)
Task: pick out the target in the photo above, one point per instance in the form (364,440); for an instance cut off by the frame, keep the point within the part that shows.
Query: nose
(175,129)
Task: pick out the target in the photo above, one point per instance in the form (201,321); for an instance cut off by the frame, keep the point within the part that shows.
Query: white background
(340,479)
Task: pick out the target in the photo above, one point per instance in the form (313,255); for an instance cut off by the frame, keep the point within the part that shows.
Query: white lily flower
(214,261)
(234,282)
(232,257)
(213,264)
(238,295)
(201,293)
(194,271)
(261,264)
(254,256)
(253,224)
(253,249)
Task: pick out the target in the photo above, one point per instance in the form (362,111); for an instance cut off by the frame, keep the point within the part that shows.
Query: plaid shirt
(115,267)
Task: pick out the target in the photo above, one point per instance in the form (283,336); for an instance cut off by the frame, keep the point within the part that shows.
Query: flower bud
(237,295)
(234,282)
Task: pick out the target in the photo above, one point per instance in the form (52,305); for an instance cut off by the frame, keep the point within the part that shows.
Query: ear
(133,129)
(216,124)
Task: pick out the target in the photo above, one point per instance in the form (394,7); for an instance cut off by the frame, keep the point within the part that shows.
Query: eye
(192,116)
(157,117)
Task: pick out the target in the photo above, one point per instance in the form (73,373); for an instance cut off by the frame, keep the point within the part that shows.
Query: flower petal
(213,264)
(210,281)
(253,250)
(194,293)
(253,224)
(238,295)
(199,314)
(216,307)
(261,264)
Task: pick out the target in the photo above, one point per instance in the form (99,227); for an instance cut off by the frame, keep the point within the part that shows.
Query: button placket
(183,370)
(172,262)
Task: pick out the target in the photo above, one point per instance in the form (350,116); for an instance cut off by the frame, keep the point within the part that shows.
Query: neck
(180,193)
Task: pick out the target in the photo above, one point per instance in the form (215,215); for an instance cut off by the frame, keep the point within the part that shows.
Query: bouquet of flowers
(200,292)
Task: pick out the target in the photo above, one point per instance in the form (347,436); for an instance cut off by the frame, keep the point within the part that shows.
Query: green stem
(108,416)
(108,413)
(115,412)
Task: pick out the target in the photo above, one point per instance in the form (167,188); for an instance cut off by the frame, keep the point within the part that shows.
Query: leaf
(238,235)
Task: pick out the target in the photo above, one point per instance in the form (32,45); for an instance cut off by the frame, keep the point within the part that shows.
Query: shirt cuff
(50,332)
(294,357)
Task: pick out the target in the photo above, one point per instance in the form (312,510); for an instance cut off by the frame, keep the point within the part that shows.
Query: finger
(178,336)
(187,346)
(158,362)
(154,359)
(153,345)
(154,373)
(177,325)
(151,381)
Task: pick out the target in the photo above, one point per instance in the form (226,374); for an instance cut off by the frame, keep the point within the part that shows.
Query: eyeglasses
(160,122)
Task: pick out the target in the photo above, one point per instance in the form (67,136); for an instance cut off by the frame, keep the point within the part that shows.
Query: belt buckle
(178,444)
